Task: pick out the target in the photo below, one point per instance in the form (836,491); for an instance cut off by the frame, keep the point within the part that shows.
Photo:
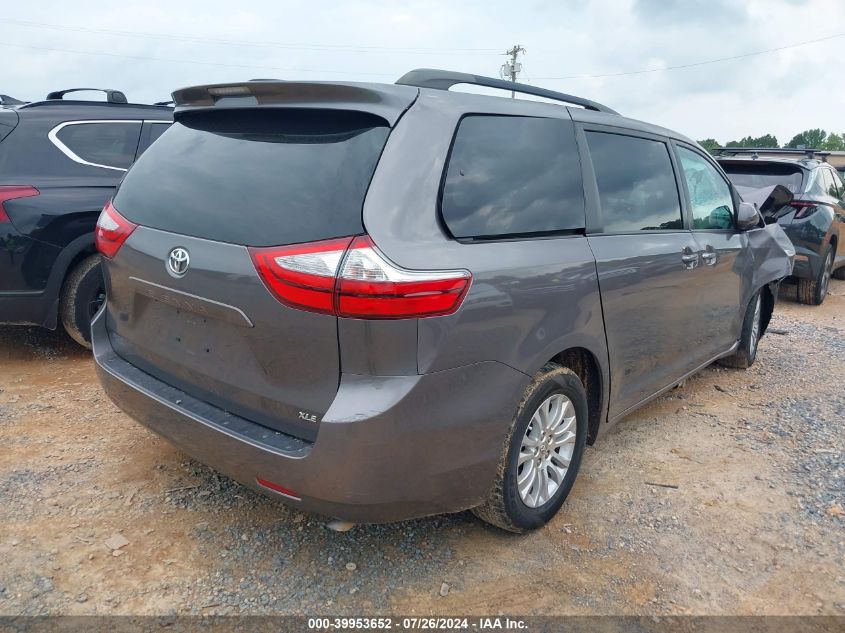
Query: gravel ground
(725,496)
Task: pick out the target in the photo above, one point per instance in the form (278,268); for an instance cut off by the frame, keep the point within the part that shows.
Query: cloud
(711,12)
(205,41)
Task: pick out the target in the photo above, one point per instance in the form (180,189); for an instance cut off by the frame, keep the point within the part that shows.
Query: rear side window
(637,188)
(511,176)
(830,183)
(8,121)
(101,144)
(261,177)
(156,130)
(837,182)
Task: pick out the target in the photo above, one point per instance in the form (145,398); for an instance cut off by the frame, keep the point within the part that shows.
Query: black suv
(812,212)
(60,160)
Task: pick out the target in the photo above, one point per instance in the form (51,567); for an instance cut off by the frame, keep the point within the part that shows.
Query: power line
(702,63)
(196,62)
(349,48)
(358,74)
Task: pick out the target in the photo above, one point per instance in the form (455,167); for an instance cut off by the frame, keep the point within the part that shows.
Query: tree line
(811,139)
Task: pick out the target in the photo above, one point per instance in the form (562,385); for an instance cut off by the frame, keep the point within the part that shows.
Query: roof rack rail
(7,100)
(112,96)
(164,103)
(756,151)
(445,79)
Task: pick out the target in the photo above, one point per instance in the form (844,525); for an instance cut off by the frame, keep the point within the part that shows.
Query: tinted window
(837,181)
(756,175)
(637,188)
(830,183)
(513,176)
(8,121)
(710,196)
(156,130)
(259,177)
(819,184)
(110,144)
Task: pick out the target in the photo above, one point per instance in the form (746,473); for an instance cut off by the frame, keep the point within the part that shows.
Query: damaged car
(378,302)
(806,197)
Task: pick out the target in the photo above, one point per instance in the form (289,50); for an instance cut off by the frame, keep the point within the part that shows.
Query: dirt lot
(750,520)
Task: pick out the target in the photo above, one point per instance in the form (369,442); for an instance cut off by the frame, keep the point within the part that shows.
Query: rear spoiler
(385,101)
(6,100)
(755,152)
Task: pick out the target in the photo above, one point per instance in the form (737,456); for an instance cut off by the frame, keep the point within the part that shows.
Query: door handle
(690,261)
(709,258)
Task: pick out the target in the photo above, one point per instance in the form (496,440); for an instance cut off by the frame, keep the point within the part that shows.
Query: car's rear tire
(813,291)
(752,330)
(82,295)
(545,443)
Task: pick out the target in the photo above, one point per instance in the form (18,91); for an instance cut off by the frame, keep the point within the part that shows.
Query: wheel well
(584,364)
(83,254)
(768,306)
(833,243)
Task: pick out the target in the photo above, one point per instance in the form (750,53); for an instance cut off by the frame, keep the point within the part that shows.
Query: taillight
(369,286)
(11,192)
(112,231)
(349,277)
(303,275)
(805,209)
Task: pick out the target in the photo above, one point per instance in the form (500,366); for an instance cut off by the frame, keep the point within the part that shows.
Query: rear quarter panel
(530,299)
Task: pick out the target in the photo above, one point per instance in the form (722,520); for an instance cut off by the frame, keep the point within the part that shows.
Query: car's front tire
(813,291)
(752,330)
(82,295)
(541,453)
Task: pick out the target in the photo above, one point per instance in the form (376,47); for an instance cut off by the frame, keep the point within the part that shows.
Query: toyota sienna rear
(379,302)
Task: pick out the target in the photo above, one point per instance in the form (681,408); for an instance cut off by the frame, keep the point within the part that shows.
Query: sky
(148,49)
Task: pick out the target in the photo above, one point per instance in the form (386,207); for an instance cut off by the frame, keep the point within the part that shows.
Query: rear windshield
(759,175)
(8,121)
(257,177)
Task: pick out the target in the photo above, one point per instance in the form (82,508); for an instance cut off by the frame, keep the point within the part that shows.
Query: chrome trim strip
(192,296)
(64,149)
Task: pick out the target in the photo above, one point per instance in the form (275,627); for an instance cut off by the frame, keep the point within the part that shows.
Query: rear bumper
(809,242)
(388,448)
(808,263)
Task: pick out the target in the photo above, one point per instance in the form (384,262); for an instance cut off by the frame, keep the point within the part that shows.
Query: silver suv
(378,302)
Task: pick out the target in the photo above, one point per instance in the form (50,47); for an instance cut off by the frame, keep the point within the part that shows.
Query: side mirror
(747,216)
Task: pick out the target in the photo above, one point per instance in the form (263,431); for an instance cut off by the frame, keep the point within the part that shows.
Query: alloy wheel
(96,302)
(755,326)
(825,280)
(546,450)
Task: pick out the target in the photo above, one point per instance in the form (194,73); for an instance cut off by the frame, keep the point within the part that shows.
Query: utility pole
(511,68)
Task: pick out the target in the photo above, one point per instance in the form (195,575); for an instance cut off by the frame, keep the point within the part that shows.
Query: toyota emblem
(178,261)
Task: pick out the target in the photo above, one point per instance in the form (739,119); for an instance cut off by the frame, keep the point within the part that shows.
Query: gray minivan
(379,302)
